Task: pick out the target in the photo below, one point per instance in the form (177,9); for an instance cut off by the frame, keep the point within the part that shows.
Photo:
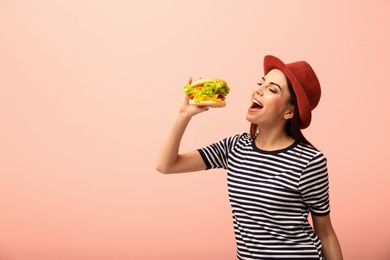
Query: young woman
(275,176)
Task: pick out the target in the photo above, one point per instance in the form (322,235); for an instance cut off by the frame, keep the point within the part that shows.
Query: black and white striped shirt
(271,194)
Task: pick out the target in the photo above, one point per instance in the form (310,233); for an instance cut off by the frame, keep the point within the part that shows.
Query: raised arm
(169,160)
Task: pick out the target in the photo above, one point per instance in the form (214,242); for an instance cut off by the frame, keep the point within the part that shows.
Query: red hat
(305,83)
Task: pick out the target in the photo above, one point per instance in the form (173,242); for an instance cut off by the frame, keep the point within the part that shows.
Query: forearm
(169,151)
(331,248)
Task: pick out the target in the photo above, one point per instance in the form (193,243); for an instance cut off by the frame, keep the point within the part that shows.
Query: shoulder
(310,153)
(229,143)
(240,138)
(233,142)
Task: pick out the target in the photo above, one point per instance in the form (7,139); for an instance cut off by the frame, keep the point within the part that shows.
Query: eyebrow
(273,83)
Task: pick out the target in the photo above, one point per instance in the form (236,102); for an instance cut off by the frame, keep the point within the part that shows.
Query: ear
(289,113)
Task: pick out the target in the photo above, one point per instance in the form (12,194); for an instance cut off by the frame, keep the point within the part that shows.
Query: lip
(254,109)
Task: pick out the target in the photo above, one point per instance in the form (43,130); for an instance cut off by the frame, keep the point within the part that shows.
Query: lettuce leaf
(210,90)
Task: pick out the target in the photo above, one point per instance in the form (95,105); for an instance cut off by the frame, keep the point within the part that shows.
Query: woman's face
(270,104)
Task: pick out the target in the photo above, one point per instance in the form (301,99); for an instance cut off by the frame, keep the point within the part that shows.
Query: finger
(206,108)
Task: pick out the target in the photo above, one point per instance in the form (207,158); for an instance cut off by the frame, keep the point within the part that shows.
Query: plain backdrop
(89,88)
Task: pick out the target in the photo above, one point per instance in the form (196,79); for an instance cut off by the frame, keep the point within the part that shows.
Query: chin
(249,118)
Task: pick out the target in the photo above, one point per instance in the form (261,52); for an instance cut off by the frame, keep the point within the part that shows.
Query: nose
(259,90)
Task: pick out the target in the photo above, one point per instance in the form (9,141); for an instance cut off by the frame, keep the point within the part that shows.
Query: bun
(209,103)
(200,82)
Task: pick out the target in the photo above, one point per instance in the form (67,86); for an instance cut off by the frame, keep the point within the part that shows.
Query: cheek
(276,102)
(281,106)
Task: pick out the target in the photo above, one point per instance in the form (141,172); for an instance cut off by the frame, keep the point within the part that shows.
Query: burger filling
(213,90)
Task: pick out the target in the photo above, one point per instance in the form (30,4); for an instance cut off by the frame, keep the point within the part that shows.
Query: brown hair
(292,125)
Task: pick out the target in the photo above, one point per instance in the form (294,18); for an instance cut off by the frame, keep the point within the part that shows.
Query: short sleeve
(314,186)
(216,155)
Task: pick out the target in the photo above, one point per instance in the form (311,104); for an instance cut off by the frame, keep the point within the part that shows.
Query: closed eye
(272,90)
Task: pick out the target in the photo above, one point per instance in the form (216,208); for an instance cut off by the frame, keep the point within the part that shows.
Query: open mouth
(256,104)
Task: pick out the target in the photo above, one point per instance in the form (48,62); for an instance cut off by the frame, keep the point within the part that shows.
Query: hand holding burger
(207,92)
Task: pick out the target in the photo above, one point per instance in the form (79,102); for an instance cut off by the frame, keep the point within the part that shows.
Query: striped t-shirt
(271,194)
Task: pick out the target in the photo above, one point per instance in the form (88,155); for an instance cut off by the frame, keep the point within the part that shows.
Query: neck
(273,140)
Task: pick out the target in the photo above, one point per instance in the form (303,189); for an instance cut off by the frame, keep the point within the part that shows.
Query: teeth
(256,102)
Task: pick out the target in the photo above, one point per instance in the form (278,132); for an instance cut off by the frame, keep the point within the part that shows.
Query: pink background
(88,89)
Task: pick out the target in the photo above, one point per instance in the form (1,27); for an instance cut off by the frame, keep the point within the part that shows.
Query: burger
(207,92)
